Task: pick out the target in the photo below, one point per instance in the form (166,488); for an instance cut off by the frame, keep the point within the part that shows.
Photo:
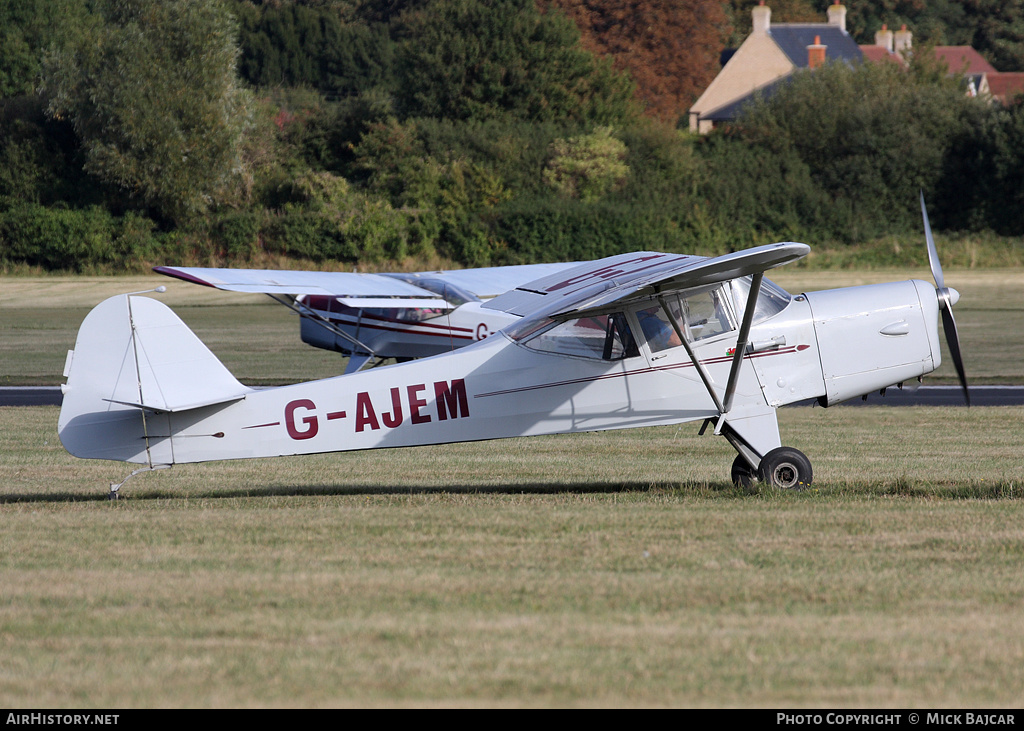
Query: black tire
(743,475)
(785,468)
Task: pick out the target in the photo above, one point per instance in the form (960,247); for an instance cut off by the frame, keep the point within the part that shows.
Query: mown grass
(258,340)
(614,569)
(611,569)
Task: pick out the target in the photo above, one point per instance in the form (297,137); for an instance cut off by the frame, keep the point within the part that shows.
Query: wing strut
(742,340)
(302,310)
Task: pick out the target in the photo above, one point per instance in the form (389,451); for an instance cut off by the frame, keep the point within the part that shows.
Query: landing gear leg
(743,475)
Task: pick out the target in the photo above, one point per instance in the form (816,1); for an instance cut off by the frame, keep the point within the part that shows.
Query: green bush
(76,239)
(238,234)
(871,137)
(556,229)
(58,238)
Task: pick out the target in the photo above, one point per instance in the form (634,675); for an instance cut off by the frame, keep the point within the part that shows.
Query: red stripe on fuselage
(403,326)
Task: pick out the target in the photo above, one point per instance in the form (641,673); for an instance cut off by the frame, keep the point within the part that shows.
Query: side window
(706,312)
(604,337)
(700,313)
(658,330)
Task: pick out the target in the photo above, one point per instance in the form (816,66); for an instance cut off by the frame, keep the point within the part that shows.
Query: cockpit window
(453,294)
(657,328)
(699,313)
(605,337)
(771,300)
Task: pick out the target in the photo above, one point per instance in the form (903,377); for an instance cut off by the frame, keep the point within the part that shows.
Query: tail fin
(134,363)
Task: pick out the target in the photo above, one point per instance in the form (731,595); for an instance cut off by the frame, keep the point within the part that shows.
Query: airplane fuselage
(521,384)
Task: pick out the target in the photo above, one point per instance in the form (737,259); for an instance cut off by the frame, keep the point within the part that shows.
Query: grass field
(614,569)
(589,570)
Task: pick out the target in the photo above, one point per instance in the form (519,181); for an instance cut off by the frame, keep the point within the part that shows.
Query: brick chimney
(837,15)
(815,54)
(883,38)
(762,16)
(901,41)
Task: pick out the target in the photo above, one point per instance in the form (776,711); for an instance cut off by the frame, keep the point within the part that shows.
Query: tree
(587,167)
(152,92)
(983,182)
(476,60)
(312,46)
(669,47)
(27,27)
(872,136)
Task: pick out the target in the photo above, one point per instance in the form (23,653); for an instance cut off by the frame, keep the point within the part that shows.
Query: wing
(632,277)
(414,289)
(282,282)
(486,282)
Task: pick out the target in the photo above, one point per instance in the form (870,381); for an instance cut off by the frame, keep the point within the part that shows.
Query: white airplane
(634,340)
(373,317)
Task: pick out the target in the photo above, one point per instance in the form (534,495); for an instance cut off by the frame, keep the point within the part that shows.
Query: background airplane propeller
(947,298)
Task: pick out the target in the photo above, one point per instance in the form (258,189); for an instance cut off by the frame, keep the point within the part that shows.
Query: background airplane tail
(134,364)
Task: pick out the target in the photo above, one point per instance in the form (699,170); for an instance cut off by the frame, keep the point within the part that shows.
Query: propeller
(947,298)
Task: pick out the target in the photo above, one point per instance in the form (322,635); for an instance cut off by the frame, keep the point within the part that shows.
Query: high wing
(627,278)
(404,290)
(297,283)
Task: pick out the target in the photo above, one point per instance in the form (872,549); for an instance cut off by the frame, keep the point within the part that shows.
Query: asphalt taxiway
(920,396)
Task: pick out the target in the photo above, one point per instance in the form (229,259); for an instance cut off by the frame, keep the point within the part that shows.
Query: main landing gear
(783,467)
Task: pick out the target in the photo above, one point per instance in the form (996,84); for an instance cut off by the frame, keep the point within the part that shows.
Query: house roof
(1005,86)
(879,53)
(956,57)
(794,38)
(731,111)
(790,41)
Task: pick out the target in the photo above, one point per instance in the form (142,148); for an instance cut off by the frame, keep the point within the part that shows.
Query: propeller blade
(953,341)
(933,254)
(946,299)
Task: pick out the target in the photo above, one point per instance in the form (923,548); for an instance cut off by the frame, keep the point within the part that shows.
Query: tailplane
(135,363)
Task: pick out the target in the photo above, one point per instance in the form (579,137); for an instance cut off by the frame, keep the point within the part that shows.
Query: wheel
(786,468)
(743,475)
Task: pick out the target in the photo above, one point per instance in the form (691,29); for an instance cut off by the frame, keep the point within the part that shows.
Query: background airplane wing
(411,288)
(486,282)
(631,277)
(270,281)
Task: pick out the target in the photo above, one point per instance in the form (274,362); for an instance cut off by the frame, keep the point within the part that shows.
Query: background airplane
(373,317)
(634,340)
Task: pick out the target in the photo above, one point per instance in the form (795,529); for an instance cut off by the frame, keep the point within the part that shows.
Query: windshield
(772,299)
(452,294)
